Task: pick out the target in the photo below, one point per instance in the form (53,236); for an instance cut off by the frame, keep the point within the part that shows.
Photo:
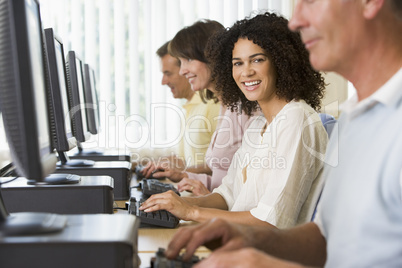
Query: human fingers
(159,173)
(237,236)
(221,260)
(188,184)
(198,188)
(154,203)
(184,185)
(180,240)
(148,169)
(247,257)
(169,201)
(188,238)
(187,187)
(156,168)
(194,186)
(208,233)
(174,175)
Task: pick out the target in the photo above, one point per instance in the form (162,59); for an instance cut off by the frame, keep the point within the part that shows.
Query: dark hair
(190,43)
(296,79)
(163,50)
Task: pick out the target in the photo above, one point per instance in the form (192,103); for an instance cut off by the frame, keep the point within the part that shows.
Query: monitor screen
(63,139)
(91,100)
(23,95)
(95,93)
(82,94)
(63,86)
(38,75)
(76,97)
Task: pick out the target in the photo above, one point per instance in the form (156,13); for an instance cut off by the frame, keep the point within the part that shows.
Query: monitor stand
(120,171)
(99,240)
(32,223)
(57,179)
(92,194)
(66,161)
(99,155)
(27,223)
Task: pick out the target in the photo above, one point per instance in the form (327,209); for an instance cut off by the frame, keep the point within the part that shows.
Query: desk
(151,239)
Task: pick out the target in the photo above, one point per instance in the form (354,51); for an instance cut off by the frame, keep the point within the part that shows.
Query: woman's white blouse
(276,173)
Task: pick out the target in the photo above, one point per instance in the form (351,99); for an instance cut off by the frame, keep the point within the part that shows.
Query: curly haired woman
(276,175)
(188,45)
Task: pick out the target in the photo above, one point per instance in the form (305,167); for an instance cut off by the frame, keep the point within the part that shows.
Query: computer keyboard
(160,261)
(152,186)
(161,218)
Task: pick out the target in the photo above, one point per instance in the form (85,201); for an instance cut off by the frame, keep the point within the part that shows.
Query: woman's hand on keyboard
(172,163)
(194,186)
(171,202)
(172,174)
(149,168)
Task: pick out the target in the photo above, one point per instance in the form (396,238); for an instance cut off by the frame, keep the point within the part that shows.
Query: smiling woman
(255,75)
(264,66)
(294,78)
(275,177)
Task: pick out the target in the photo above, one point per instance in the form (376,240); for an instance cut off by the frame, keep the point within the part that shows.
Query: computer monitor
(76,97)
(57,92)
(23,96)
(60,118)
(91,99)
(24,107)
(91,110)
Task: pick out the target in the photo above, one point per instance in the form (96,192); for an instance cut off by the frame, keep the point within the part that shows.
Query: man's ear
(372,7)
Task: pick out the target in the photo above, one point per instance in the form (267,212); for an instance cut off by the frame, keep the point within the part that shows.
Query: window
(119,39)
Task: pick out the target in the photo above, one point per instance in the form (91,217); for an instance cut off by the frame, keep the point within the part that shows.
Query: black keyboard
(161,218)
(152,186)
(160,261)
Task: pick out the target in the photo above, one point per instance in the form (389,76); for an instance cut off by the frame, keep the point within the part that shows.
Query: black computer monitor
(91,109)
(60,117)
(91,100)
(76,97)
(23,96)
(62,130)
(24,106)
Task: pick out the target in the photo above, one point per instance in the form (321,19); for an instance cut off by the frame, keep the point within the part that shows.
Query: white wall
(336,93)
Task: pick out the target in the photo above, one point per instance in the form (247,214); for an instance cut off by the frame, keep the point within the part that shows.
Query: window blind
(119,39)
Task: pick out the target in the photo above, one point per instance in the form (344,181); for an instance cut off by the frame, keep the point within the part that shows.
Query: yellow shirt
(201,120)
